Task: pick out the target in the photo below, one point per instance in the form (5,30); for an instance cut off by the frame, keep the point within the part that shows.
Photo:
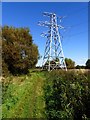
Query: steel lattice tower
(53,56)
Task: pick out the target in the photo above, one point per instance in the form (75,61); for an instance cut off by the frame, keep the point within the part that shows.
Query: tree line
(71,64)
(19,53)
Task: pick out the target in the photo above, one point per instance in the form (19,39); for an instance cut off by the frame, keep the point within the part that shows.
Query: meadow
(50,95)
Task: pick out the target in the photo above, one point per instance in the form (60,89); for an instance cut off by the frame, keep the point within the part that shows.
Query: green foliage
(69,63)
(19,52)
(67,95)
(52,62)
(88,64)
(80,67)
(5,71)
(23,96)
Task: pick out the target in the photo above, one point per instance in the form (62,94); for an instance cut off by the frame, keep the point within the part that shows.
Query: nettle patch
(67,95)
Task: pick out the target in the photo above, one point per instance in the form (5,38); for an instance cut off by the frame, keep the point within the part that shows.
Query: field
(23,97)
(39,93)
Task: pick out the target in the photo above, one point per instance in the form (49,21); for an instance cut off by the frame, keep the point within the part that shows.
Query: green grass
(24,97)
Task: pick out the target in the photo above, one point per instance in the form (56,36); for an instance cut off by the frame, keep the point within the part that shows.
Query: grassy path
(27,97)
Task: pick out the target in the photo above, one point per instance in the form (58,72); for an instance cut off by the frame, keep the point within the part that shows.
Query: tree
(88,64)
(69,63)
(18,50)
(80,67)
(0,50)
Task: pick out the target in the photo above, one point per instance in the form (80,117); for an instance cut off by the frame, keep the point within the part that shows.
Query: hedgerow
(67,95)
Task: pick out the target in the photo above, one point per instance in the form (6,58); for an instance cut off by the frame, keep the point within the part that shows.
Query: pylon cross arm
(53,48)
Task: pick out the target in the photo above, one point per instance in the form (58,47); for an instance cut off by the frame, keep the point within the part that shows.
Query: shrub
(5,71)
(67,95)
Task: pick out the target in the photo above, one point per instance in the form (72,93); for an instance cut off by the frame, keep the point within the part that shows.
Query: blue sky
(75,38)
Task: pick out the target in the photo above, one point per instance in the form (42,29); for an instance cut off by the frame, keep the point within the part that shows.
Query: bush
(67,95)
(5,71)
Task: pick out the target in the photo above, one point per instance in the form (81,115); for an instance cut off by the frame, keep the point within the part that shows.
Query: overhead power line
(53,56)
(73,35)
(76,12)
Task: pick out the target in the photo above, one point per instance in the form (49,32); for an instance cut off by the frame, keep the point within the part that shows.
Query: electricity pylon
(53,56)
